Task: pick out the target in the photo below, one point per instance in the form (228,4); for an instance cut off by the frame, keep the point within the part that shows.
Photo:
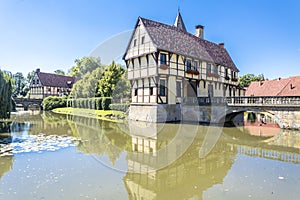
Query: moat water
(49,156)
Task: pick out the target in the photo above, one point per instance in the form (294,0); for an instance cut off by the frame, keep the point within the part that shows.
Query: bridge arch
(27,102)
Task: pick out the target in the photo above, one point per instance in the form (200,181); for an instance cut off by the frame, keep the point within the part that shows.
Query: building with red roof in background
(285,87)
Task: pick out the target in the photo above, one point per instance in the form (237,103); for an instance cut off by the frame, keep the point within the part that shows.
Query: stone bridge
(284,110)
(27,102)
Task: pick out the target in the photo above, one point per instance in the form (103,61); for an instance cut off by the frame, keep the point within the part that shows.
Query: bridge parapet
(274,101)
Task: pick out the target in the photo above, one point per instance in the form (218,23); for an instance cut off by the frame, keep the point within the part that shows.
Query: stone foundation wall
(155,113)
(287,119)
(176,112)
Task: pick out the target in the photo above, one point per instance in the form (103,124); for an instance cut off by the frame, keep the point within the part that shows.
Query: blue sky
(262,36)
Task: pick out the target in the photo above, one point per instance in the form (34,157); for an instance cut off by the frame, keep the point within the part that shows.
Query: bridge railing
(203,100)
(291,101)
(264,101)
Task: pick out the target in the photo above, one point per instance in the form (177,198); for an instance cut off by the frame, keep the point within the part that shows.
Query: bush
(119,106)
(106,101)
(98,103)
(52,102)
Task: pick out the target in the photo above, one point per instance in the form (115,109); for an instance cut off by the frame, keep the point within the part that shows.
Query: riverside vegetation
(93,94)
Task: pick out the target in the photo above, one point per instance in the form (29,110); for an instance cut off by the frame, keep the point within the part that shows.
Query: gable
(140,43)
(35,81)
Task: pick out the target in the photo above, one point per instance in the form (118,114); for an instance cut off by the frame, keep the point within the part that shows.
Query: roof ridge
(186,32)
(211,51)
(55,74)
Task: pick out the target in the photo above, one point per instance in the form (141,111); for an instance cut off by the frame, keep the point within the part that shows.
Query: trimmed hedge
(99,103)
(119,106)
(106,101)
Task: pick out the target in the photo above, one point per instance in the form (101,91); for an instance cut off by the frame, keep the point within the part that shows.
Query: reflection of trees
(185,178)
(100,137)
(6,164)
(4,127)
(47,123)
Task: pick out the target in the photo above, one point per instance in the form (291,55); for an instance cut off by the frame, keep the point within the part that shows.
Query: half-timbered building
(46,84)
(167,66)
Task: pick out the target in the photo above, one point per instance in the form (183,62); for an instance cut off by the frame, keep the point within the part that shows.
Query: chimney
(200,31)
(38,70)
(222,44)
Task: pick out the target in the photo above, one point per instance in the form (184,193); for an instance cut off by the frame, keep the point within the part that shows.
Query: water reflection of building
(261,124)
(99,137)
(187,177)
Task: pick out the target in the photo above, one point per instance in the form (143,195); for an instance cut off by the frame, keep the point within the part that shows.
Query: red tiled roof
(54,80)
(279,87)
(173,39)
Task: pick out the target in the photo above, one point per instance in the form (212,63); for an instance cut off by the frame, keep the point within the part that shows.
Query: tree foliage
(109,80)
(52,102)
(123,88)
(83,66)
(59,72)
(87,86)
(6,93)
(246,79)
(19,85)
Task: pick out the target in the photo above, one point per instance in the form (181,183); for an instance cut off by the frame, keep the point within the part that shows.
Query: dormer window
(163,59)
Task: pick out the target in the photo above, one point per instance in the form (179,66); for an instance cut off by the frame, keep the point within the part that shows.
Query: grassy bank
(108,115)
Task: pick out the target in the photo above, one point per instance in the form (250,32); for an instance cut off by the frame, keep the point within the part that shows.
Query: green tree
(59,72)
(29,77)
(83,66)
(19,85)
(246,79)
(87,86)
(6,93)
(122,90)
(110,78)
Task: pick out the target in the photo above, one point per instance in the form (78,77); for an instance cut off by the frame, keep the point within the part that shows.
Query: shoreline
(106,115)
